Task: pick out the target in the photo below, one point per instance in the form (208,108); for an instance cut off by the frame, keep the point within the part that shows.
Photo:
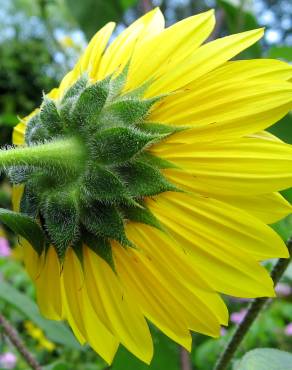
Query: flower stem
(253,311)
(61,154)
(185,361)
(11,333)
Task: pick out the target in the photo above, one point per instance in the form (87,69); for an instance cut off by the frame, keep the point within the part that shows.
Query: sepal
(104,185)
(90,103)
(50,118)
(144,180)
(101,246)
(142,215)
(120,144)
(36,131)
(61,221)
(105,222)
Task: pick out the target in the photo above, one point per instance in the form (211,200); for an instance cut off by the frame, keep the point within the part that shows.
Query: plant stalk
(253,311)
(61,154)
(14,338)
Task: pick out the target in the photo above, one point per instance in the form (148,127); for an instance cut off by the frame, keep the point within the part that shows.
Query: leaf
(284,227)
(265,359)
(280,52)
(59,365)
(283,129)
(93,14)
(165,356)
(55,331)
(24,226)
(239,17)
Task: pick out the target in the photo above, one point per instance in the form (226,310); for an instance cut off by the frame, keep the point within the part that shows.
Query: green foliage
(93,14)
(24,226)
(280,52)
(166,356)
(55,331)
(239,17)
(265,358)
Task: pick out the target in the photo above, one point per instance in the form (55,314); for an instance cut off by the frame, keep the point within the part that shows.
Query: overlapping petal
(213,234)
(245,166)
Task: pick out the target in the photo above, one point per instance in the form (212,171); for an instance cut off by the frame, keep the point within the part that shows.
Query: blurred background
(40,40)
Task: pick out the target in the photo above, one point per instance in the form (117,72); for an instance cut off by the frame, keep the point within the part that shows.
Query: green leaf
(55,331)
(239,17)
(284,228)
(283,129)
(265,359)
(24,226)
(93,14)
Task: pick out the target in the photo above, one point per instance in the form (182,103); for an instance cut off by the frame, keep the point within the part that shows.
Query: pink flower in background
(5,250)
(237,317)
(223,331)
(283,290)
(8,360)
(288,330)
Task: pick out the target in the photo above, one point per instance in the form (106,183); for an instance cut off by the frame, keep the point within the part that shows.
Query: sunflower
(149,179)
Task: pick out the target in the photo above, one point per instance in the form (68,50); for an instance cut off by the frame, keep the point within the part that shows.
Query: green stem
(252,313)
(65,154)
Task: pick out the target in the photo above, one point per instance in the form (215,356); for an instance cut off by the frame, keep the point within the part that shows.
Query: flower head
(5,250)
(8,360)
(151,183)
(237,317)
(288,330)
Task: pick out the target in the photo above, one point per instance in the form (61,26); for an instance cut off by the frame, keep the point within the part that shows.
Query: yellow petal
(90,60)
(267,207)
(124,317)
(205,59)
(222,241)
(31,259)
(163,53)
(80,313)
(242,70)
(220,110)
(247,166)
(122,49)
(151,298)
(265,135)
(48,286)
(18,133)
(170,265)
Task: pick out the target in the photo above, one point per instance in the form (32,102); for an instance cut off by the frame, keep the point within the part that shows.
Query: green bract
(86,166)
